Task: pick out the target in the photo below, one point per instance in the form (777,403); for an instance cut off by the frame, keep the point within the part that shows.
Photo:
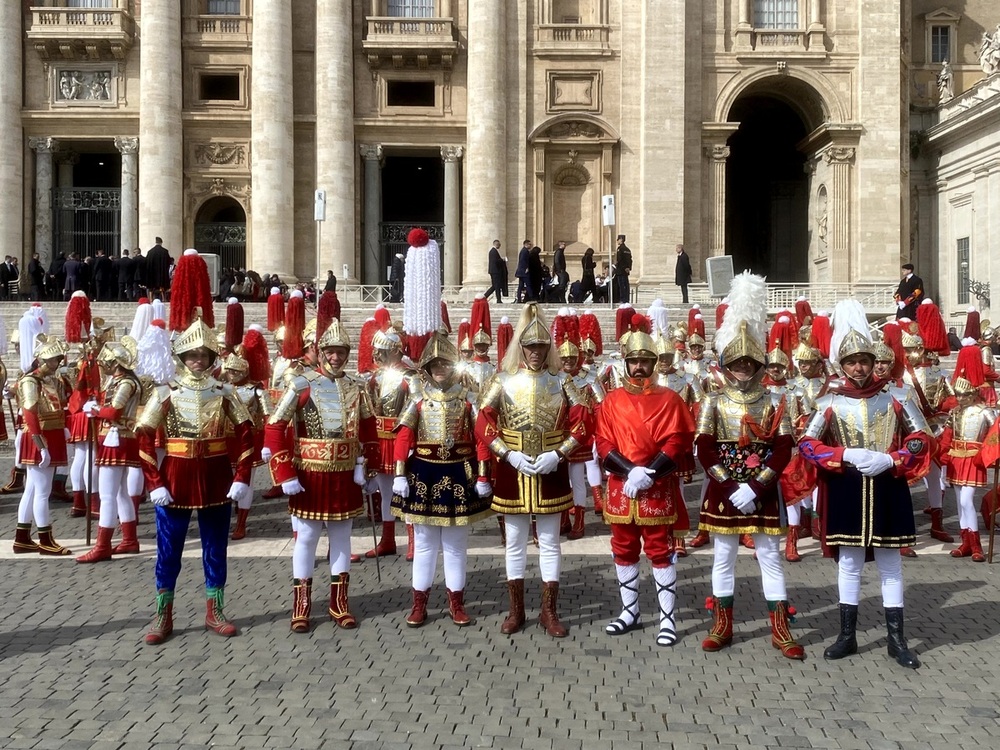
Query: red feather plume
(720,314)
(327,311)
(932,328)
(505,334)
(190,289)
(382,317)
(973,328)
(697,326)
(803,310)
(234,325)
(969,365)
(417,237)
(295,324)
(639,324)
(590,328)
(623,315)
(445,320)
(78,319)
(256,354)
(822,333)
(275,311)
(366,361)
(479,318)
(695,310)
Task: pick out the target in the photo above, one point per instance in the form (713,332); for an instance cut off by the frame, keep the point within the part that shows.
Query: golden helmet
(533,328)
(695,340)
(124,353)
(47,347)
(197,336)
(855,342)
(805,353)
(637,344)
(439,346)
(236,363)
(744,344)
(884,353)
(308,333)
(388,340)
(777,357)
(279,336)
(963,387)
(335,335)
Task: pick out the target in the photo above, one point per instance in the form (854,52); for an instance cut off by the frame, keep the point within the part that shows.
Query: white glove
(7,394)
(44,459)
(520,462)
(265,454)
(900,304)
(359,475)
(66,433)
(91,408)
(546,463)
(484,489)
(292,487)
(875,464)
(160,497)
(400,487)
(629,489)
(641,478)
(371,485)
(239,491)
(855,456)
(744,499)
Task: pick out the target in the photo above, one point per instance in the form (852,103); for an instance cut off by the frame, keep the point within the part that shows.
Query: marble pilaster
(486,133)
(717,154)
(129,148)
(273,141)
(65,161)
(335,154)
(452,215)
(44,180)
(371,155)
(161,162)
(11,132)
(840,160)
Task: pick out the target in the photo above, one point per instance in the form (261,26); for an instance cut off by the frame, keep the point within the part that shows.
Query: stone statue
(945,83)
(989,52)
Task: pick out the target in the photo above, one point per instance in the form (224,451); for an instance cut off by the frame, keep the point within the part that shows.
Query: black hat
(621,237)
(907,266)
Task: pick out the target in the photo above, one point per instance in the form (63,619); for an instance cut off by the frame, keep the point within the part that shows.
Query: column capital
(452,153)
(127,145)
(839,155)
(717,152)
(43,145)
(67,157)
(371,151)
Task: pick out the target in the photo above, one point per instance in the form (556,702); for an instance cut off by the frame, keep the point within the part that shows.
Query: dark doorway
(221,229)
(87,215)
(412,196)
(767,191)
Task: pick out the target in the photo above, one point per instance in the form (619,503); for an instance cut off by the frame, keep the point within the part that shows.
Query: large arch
(220,228)
(805,91)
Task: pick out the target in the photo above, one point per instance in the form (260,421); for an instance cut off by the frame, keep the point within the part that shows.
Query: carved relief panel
(84,85)
(573,90)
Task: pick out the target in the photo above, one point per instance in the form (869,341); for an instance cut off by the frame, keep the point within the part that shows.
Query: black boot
(846,643)
(898,649)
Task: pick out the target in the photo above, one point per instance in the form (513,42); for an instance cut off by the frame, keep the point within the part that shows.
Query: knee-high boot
(897,647)
(847,642)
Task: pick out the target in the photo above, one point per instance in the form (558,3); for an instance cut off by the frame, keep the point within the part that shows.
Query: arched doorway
(767,190)
(221,229)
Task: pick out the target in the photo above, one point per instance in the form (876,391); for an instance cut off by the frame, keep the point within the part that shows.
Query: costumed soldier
(744,441)
(477,372)
(532,418)
(388,388)
(867,440)
(83,352)
(961,446)
(117,450)
(195,473)
(441,484)
(42,394)
(321,467)
(813,382)
(643,431)
(592,347)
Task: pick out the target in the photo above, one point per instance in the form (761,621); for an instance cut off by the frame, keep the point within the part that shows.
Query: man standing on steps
(622,269)
(498,273)
(682,272)
(909,293)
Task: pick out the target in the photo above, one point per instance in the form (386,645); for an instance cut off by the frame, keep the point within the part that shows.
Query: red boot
(699,540)
(565,525)
(805,525)
(59,490)
(747,541)
(340,608)
(579,515)
(79,509)
(23,543)
(456,606)
(792,545)
(95,506)
(301,604)
(598,494)
(130,541)
(241,523)
(163,622)
(503,530)
(965,548)
(679,547)
(418,615)
(409,542)
(907,552)
(721,634)
(387,544)
(215,618)
(136,502)
(977,547)
(47,545)
(16,484)
(937,527)
(102,549)
(781,636)
(815,526)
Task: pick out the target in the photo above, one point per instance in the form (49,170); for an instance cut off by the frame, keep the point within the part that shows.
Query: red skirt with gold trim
(966,471)
(197,482)
(77,426)
(56,442)
(125,454)
(328,496)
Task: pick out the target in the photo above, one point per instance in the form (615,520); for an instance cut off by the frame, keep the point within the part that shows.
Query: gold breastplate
(871,423)
(443,416)
(196,412)
(729,412)
(972,423)
(477,373)
(532,401)
(46,396)
(333,408)
(387,391)
(249,397)
(124,393)
(932,384)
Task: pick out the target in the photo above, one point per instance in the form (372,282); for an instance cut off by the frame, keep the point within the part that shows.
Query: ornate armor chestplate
(697,368)
(387,392)
(532,409)
(971,423)
(613,374)
(123,393)
(441,423)
(796,403)
(932,383)
(590,387)
(195,412)
(476,374)
(46,396)
(257,401)
(332,411)
(871,423)
(278,370)
(683,384)
(812,388)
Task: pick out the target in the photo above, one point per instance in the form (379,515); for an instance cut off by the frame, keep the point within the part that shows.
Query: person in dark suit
(331,283)
(36,272)
(535,269)
(524,290)
(498,273)
(682,272)
(125,272)
(909,293)
(72,270)
(8,273)
(57,276)
(623,267)
(102,276)
(559,259)
(158,269)
(588,283)
(138,274)
(397,273)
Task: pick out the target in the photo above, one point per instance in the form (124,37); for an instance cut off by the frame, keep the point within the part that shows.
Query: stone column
(43,148)
(816,28)
(452,216)
(129,148)
(373,261)
(161,132)
(335,154)
(840,159)
(65,161)
(717,154)
(744,26)
(486,139)
(11,133)
(273,141)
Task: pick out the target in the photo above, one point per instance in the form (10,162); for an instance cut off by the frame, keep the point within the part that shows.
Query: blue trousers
(171,531)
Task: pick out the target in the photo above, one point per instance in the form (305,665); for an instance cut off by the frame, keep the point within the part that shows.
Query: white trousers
(549,549)
(850,563)
(384,482)
(935,485)
(304,553)
(34,503)
(79,476)
(116,495)
(967,516)
(427,542)
(245,503)
(578,481)
(772,575)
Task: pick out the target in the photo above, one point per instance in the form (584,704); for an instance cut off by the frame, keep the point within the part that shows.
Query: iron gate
(86,220)
(392,240)
(228,241)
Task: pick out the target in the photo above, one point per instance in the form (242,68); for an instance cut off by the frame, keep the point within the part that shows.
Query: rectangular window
(223,8)
(88,4)
(411,8)
(776,14)
(963,271)
(409,93)
(219,87)
(940,44)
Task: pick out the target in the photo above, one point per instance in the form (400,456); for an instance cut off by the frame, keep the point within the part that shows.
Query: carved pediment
(574,129)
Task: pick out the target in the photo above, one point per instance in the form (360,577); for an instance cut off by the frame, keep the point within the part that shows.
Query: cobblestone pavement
(75,674)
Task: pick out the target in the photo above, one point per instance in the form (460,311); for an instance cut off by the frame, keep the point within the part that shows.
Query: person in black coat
(524,290)
(397,273)
(138,274)
(331,283)
(72,271)
(559,259)
(125,272)
(587,282)
(8,273)
(682,272)
(535,270)
(909,293)
(57,276)
(102,277)
(36,273)
(498,273)
(623,267)
(158,269)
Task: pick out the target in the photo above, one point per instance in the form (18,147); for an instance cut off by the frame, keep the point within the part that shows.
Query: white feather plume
(747,301)
(848,315)
(422,290)
(659,317)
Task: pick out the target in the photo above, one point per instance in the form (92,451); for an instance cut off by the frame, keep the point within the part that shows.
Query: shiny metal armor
(687,386)
(532,409)
(334,408)
(871,423)
(612,375)
(198,408)
(386,392)
(589,386)
(475,374)
(699,369)
(970,424)
(935,387)
(46,396)
(797,404)
(257,401)
(812,388)
(122,392)
(441,416)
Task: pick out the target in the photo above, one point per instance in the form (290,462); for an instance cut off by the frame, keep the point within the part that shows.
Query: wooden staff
(91,452)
